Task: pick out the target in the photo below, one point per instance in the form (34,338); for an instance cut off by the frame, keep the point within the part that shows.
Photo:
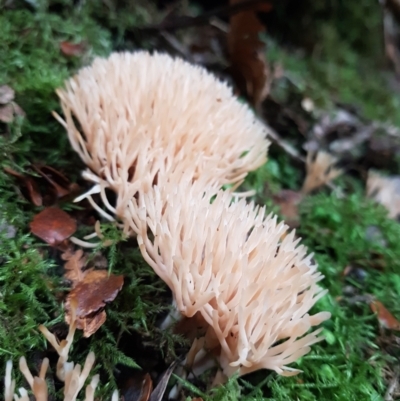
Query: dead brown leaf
(9,109)
(386,319)
(75,263)
(320,170)
(288,202)
(6,94)
(92,293)
(247,53)
(30,184)
(60,183)
(91,290)
(73,49)
(386,191)
(7,113)
(53,225)
(138,387)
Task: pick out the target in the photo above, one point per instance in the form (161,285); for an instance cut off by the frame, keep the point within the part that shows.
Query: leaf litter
(90,290)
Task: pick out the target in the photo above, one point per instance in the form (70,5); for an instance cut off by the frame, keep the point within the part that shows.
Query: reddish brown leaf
(30,184)
(91,294)
(53,225)
(73,49)
(247,53)
(386,319)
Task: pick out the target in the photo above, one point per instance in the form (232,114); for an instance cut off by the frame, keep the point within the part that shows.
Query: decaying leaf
(61,185)
(6,94)
(33,192)
(58,185)
(320,170)
(53,225)
(8,109)
(386,319)
(288,202)
(73,49)
(386,191)
(247,53)
(138,387)
(91,290)
(74,266)
(9,112)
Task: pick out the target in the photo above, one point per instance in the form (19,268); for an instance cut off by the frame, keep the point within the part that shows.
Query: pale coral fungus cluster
(135,117)
(165,136)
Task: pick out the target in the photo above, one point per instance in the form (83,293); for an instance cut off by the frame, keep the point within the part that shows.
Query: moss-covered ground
(359,359)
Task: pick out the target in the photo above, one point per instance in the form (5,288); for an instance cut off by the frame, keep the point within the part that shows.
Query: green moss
(336,73)
(350,364)
(34,66)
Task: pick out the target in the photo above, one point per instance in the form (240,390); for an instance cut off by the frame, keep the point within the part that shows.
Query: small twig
(289,149)
(294,154)
(176,45)
(186,21)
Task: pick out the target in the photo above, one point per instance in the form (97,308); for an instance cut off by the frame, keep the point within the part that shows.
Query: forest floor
(344,207)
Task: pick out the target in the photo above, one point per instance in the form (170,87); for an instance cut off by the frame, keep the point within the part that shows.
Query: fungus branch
(72,375)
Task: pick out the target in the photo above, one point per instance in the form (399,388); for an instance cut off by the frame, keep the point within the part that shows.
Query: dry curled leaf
(386,319)
(6,94)
(33,192)
(54,185)
(320,171)
(9,112)
(91,294)
(8,109)
(288,202)
(247,53)
(73,49)
(386,191)
(53,225)
(74,266)
(138,387)
(60,184)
